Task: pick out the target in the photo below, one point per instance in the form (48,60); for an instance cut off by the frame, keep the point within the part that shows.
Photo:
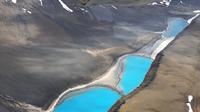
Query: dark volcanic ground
(50,50)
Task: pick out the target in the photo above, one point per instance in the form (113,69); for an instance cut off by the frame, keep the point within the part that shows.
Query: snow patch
(65,6)
(14,1)
(29,12)
(190,98)
(164,2)
(26,11)
(154,3)
(82,9)
(114,7)
(41,2)
(196,11)
(181,1)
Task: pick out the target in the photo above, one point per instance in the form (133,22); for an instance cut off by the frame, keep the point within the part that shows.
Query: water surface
(136,67)
(175,26)
(95,99)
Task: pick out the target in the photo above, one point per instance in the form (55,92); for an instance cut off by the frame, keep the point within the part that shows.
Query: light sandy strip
(162,46)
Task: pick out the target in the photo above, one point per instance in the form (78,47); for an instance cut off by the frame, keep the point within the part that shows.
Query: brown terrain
(176,77)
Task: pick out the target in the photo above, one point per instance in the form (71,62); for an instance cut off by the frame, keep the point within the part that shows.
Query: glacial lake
(94,99)
(135,70)
(175,26)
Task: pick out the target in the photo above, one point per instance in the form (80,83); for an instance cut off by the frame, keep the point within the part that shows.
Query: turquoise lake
(95,99)
(101,99)
(136,68)
(175,26)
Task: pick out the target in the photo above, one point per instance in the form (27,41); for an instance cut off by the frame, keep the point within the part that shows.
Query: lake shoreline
(148,79)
